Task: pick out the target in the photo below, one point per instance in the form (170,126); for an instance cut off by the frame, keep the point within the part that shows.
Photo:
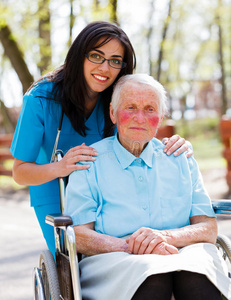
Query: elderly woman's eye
(130,107)
(151,109)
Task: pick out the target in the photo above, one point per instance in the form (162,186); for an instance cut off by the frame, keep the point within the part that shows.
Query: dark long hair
(70,86)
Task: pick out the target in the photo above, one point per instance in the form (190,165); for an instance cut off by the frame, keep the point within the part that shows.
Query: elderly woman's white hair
(142,79)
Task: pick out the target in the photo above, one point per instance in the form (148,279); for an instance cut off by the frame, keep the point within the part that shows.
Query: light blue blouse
(122,193)
(36,132)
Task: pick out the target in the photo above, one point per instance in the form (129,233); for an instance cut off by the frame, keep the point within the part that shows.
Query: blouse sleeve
(201,202)
(29,131)
(82,196)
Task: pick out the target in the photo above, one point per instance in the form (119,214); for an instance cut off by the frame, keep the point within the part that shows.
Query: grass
(7,182)
(205,138)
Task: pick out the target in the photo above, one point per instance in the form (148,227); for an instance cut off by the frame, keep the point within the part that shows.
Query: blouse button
(140,178)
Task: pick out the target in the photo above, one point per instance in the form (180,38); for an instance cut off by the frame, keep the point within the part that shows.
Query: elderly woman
(142,219)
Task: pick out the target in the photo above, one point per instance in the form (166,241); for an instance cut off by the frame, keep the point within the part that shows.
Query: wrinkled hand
(165,249)
(176,142)
(79,153)
(149,241)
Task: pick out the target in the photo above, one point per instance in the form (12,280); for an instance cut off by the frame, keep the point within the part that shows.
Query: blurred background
(185,44)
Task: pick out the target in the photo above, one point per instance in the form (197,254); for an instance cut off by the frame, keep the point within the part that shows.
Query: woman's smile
(100,77)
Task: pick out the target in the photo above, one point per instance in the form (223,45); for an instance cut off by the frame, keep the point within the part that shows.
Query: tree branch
(16,57)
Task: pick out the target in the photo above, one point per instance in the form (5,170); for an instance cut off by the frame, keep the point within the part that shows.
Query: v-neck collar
(95,122)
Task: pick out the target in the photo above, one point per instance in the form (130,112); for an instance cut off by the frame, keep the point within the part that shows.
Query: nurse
(74,98)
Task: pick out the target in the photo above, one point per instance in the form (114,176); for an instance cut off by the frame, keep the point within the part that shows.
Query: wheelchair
(60,280)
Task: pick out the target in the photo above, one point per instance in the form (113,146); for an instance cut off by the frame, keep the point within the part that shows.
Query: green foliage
(200,128)
(205,137)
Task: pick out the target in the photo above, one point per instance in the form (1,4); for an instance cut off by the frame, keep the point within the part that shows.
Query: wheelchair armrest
(222,206)
(58,220)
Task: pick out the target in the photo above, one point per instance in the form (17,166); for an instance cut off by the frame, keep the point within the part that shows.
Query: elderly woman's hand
(177,144)
(164,248)
(149,241)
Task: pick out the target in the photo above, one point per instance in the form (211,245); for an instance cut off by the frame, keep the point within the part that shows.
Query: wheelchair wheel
(49,276)
(224,246)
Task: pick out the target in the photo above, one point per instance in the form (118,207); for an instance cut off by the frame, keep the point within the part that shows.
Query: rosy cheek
(154,120)
(124,117)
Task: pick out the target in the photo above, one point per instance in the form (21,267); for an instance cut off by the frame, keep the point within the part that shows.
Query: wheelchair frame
(49,280)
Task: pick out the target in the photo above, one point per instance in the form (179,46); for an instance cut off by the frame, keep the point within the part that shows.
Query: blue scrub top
(36,132)
(121,193)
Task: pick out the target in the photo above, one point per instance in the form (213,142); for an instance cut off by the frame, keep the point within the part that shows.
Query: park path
(20,245)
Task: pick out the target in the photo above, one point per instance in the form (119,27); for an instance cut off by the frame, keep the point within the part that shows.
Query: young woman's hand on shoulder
(77,154)
(177,144)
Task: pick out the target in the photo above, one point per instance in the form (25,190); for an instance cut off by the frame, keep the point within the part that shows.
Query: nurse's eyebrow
(101,52)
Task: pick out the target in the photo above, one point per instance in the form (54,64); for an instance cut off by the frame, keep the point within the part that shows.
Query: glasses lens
(95,58)
(116,63)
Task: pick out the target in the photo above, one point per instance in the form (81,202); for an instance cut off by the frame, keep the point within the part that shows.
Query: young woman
(75,98)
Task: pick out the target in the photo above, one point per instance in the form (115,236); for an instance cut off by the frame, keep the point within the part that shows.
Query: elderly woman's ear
(112,115)
(160,121)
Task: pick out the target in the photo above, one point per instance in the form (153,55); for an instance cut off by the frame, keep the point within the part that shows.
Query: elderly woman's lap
(118,275)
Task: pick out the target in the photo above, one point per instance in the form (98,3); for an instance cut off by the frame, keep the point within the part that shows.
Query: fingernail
(168,152)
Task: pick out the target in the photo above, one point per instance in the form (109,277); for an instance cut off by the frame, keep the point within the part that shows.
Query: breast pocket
(175,211)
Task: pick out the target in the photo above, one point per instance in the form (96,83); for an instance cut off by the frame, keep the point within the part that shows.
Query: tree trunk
(149,36)
(164,34)
(113,11)
(44,35)
(7,122)
(224,105)
(16,57)
(96,4)
(71,23)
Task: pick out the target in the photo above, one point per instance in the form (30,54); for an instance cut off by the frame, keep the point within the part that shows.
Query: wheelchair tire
(225,243)
(224,246)
(49,276)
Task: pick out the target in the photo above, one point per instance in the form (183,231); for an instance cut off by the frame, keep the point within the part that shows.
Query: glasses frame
(123,64)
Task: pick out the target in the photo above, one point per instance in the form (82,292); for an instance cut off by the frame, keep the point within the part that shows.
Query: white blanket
(117,275)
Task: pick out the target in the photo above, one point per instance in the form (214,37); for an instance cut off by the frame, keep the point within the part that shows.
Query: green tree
(163,39)
(113,11)
(44,28)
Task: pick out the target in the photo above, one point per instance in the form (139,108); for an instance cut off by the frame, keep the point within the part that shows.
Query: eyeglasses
(98,59)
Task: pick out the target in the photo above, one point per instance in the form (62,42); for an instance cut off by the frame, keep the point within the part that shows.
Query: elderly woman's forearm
(90,242)
(201,230)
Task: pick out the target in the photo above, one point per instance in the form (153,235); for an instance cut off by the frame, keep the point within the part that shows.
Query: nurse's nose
(104,66)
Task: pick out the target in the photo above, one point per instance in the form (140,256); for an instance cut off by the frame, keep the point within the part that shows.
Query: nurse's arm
(202,229)
(89,242)
(29,173)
